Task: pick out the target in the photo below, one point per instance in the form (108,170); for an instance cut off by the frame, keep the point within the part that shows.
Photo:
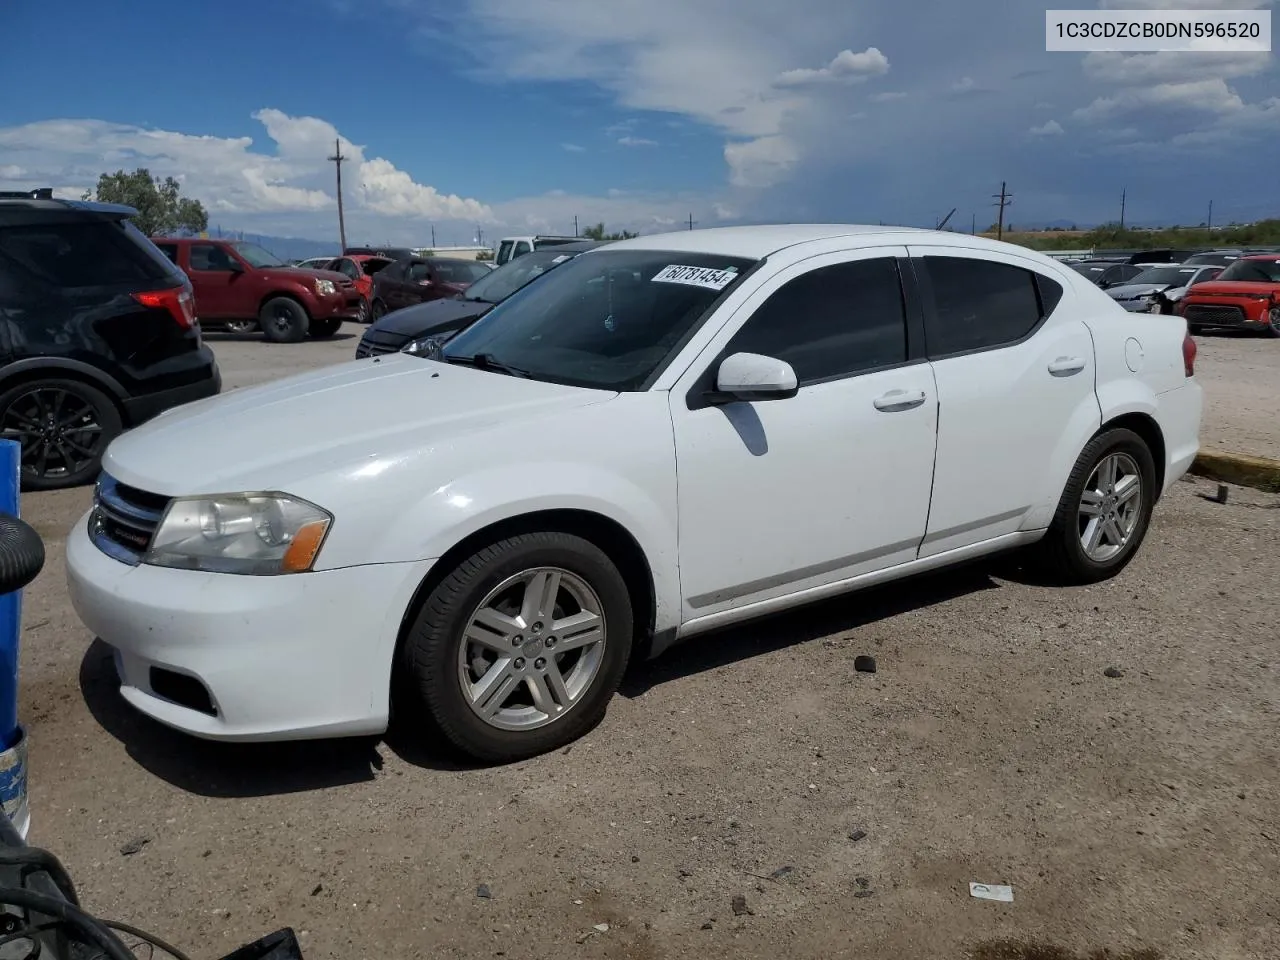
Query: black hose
(21,553)
(32,859)
(91,930)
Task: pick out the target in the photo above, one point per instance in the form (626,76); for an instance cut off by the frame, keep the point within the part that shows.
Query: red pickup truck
(241,287)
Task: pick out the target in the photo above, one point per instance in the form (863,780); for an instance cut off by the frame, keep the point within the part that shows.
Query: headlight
(428,347)
(325,287)
(249,533)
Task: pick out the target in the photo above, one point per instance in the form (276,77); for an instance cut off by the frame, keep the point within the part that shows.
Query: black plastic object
(281,945)
(21,554)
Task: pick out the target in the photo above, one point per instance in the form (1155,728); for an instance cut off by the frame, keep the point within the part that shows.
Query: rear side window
(393,271)
(832,322)
(91,253)
(980,304)
(170,250)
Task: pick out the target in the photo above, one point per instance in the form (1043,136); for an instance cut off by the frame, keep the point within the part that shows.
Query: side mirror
(752,376)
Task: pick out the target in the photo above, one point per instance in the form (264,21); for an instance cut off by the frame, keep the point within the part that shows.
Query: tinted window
(89,254)
(170,250)
(206,256)
(504,251)
(346,267)
(373,265)
(419,271)
(832,321)
(1257,271)
(394,271)
(459,271)
(979,304)
(521,249)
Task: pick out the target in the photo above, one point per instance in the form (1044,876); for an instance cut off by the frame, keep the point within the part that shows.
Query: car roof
(26,205)
(1261,256)
(576,247)
(760,241)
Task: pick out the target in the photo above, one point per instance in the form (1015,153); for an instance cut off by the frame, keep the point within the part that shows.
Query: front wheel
(1105,509)
(519,649)
(325,328)
(63,426)
(283,320)
(363,315)
(1273,321)
(379,310)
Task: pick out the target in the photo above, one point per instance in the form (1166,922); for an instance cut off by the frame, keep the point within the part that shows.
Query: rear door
(1016,399)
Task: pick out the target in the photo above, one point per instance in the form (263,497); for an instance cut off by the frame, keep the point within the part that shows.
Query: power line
(337,160)
(1003,199)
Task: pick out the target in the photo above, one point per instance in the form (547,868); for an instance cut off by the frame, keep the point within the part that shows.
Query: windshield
(255,256)
(607,320)
(1089,267)
(510,277)
(459,271)
(1170,275)
(1257,271)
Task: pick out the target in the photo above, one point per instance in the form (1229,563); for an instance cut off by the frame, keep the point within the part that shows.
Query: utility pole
(575,226)
(479,236)
(1123,194)
(973,226)
(336,160)
(1209,222)
(1003,199)
(691,221)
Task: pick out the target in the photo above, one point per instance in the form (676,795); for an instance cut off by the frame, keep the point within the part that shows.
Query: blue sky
(517,115)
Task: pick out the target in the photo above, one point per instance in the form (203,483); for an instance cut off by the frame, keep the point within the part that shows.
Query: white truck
(511,247)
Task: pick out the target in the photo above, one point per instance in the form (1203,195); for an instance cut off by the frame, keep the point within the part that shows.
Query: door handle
(1066,366)
(896,400)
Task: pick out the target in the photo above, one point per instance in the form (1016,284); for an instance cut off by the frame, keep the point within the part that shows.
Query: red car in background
(1245,296)
(360,269)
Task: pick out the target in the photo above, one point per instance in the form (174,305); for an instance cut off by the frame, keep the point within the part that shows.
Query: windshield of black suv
(510,277)
(1256,271)
(255,256)
(1175,276)
(605,319)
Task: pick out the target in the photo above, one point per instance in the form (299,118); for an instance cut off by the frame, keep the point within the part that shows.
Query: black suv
(98,333)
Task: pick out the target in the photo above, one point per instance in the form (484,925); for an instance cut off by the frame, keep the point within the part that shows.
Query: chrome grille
(1208,313)
(124,519)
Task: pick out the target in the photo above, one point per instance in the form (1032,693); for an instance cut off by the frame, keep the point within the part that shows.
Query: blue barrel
(10,603)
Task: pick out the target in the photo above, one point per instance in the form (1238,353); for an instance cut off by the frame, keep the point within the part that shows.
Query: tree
(160,209)
(597,233)
(484,256)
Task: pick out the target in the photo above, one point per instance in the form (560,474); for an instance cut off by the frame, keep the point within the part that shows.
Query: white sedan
(664,436)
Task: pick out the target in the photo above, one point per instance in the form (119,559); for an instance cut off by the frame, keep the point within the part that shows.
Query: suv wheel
(519,649)
(284,321)
(64,427)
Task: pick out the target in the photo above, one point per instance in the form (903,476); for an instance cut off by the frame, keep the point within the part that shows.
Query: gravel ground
(1128,812)
(1240,373)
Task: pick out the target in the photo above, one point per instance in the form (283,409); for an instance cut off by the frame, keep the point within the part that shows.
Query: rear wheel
(283,320)
(64,427)
(325,328)
(519,649)
(1273,321)
(1105,509)
(379,310)
(241,326)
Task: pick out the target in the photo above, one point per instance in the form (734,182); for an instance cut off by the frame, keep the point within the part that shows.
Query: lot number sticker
(707,277)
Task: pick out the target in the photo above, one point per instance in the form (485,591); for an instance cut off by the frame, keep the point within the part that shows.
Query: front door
(1015,392)
(212,279)
(782,495)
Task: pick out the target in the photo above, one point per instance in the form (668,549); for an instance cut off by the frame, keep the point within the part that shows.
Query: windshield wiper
(486,361)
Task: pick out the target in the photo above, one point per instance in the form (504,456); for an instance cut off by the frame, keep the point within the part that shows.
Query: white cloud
(761,162)
(963,85)
(572,148)
(887,96)
(1170,67)
(847,66)
(11,171)
(1207,96)
(1051,128)
(636,142)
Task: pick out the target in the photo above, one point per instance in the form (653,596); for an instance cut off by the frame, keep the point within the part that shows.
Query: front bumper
(1226,315)
(289,657)
(342,304)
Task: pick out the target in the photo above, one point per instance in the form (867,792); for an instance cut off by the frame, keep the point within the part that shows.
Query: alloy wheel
(1273,320)
(60,433)
(532,649)
(1110,507)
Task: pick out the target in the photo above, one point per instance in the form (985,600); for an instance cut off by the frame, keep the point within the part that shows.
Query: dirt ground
(1240,373)
(1140,811)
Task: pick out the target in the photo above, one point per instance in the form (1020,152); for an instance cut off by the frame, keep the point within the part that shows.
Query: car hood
(427,318)
(1131,290)
(1234,288)
(363,414)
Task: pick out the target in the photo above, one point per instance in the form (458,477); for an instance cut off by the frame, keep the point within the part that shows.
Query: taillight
(177,300)
(1189,355)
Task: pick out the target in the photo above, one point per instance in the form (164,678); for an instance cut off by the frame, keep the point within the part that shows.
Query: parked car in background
(315,263)
(241,287)
(360,269)
(404,283)
(1108,273)
(511,247)
(1218,258)
(391,253)
(428,326)
(1167,300)
(1144,293)
(657,439)
(98,333)
(1246,295)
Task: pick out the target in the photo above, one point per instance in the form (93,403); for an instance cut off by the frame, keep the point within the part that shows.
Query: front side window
(208,256)
(608,320)
(419,272)
(832,322)
(256,256)
(460,271)
(980,304)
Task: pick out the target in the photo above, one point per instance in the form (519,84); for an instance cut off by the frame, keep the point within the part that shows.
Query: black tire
(325,328)
(240,326)
(21,554)
(283,320)
(433,646)
(1273,321)
(363,315)
(1061,552)
(68,451)
(379,310)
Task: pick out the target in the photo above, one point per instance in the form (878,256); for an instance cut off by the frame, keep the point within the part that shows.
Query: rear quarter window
(92,253)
